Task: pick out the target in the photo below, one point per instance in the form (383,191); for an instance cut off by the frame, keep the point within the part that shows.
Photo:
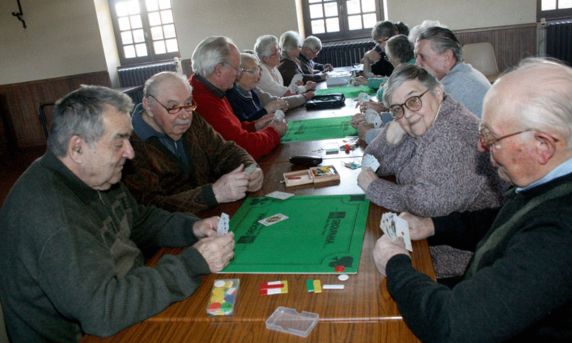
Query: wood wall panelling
(25,98)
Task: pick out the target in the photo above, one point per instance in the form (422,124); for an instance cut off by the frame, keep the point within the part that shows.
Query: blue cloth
(145,132)
(467,85)
(245,104)
(562,170)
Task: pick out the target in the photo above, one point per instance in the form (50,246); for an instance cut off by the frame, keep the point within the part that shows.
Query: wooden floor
(12,167)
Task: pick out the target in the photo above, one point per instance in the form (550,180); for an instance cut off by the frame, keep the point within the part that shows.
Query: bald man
(518,286)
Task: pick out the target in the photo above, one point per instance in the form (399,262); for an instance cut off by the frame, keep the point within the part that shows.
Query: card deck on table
(277,218)
(279,195)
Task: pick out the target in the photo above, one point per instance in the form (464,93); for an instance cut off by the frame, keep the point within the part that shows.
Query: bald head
(163,80)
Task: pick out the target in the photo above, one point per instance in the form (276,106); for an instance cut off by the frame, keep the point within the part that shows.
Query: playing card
(279,195)
(402,230)
(370,115)
(250,169)
(277,218)
(279,115)
(368,161)
(363,97)
(223,224)
(387,225)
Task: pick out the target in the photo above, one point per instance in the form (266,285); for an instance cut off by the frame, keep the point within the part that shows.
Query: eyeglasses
(413,103)
(188,106)
(487,139)
(250,71)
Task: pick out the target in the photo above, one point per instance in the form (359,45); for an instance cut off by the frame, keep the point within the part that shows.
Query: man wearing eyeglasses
(182,163)
(216,62)
(518,285)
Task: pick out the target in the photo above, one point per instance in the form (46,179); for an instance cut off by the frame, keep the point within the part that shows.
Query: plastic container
(288,320)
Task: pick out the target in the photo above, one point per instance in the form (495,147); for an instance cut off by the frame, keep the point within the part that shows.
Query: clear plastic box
(288,320)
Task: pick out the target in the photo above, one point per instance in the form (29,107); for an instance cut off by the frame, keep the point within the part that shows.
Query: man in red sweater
(216,62)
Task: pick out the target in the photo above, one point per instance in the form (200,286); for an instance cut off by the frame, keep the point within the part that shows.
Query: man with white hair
(438,50)
(183,164)
(216,62)
(310,49)
(518,285)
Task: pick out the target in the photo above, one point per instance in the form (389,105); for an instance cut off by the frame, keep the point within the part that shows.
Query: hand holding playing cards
(366,177)
(278,104)
(263,121)
(358,119)
(279,126)
(206,227)
(385,249)
(419,227)
(255,180)
(231,186)
(217,251)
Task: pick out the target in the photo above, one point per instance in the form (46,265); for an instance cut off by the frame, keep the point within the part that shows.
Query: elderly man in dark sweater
(73,237)
(518,286)
(182,163)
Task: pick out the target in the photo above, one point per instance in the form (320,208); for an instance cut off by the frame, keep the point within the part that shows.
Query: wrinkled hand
(363,128)
(366,177)
(419,227)
(255,180)
(263,121)
(280,126)
(376,106)
(310,85)
(309,95)
(206,227)
(360,80)
(385,249)
(357,119)
(278,104)
(231,186)
(394,133)
(217,250)
(373,56)
(328,67)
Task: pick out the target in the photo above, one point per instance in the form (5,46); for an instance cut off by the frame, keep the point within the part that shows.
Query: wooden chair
(482,57)
(44,114)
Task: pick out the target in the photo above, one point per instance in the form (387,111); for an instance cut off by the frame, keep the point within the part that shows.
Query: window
(144,30)
(554,9)
(340,19)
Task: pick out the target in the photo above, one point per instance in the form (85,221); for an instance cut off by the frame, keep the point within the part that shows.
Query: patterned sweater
(438,173)
(155,176)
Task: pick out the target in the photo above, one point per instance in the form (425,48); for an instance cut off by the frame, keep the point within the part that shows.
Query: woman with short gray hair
(291,45)
(310,49)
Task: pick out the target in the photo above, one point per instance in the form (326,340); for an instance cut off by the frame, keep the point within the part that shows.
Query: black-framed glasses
(189,105)
(487,139)
(413,103)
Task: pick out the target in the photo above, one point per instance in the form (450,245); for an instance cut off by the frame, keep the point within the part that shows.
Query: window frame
(151,56)
(344,33)
(556,14)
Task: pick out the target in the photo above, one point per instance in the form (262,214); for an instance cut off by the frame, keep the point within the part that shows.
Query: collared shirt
(563,169)
(146,131)
(216,91)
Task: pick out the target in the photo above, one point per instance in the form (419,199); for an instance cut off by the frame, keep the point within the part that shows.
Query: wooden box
(315,175)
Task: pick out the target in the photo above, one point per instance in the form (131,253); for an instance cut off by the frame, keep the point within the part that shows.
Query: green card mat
(321,232)
(347,91)
(316,129)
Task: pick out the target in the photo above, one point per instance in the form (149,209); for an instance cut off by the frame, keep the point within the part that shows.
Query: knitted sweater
(216,110)
(71,258)
(438,173)
(155,176)
(271,81)
(518,286)
(468,86)
(309,66)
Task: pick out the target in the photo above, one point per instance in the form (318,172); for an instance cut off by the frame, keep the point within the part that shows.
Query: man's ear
(76,149)
(147,106)
(545,147)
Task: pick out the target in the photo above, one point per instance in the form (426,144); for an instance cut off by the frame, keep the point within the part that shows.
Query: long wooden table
(362,312)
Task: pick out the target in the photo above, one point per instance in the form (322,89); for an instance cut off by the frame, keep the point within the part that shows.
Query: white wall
(62,38)
(63,35)
(463,14)
(241,20)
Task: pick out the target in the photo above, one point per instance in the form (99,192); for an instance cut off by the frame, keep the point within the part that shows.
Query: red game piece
(340,269)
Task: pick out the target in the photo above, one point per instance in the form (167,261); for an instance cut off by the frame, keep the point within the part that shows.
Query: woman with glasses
(268,51)
(245,99)
(431,149)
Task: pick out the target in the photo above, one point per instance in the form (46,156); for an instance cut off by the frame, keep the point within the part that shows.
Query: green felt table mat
(317,129)
(349,92)
(321,232)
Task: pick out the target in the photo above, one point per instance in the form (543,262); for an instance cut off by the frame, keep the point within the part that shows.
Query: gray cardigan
(438,173)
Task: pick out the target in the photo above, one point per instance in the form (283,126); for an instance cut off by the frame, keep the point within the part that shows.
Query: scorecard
(320,233)
(317,129)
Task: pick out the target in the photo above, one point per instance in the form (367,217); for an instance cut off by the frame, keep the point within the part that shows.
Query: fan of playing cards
(394,227)
(368,161)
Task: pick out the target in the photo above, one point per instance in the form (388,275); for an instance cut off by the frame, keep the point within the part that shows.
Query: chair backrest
(482,57)
(45,115)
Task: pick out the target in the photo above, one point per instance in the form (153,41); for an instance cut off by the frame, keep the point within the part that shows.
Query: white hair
(264,44)
(211,52)
(153,84)
(416,30)
(289,40)
(312,42)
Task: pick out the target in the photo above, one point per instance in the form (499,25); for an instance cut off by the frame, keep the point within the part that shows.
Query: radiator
(342,54)
(136,76)
(558,39)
